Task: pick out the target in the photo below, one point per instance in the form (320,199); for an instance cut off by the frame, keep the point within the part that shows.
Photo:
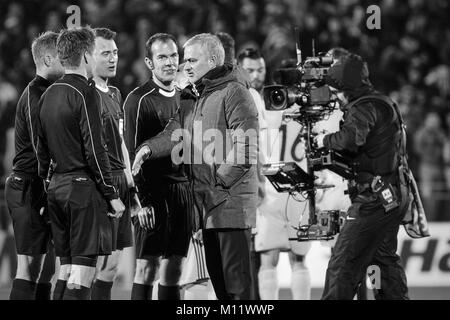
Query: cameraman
(370,133)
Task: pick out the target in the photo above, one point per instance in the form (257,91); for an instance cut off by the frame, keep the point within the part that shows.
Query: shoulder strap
(385,100)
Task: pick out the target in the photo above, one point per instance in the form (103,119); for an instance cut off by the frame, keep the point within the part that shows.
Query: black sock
(78,293)
(22,290)
(60,287)
(168,292)
(101,290)
(141,292)
(43,291)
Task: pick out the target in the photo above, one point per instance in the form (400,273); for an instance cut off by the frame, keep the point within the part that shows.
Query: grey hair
(211,43)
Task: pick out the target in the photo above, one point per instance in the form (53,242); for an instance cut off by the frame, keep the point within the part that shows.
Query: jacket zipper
(200,209)
(196,107)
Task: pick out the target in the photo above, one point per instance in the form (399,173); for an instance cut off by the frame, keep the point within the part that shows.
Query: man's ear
(48,60)
(212,62)
(149,63)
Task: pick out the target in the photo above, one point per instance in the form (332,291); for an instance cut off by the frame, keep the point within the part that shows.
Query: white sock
(197,292)
(268,284)
(301,284)
(81,276)
(155,290)
(64,272)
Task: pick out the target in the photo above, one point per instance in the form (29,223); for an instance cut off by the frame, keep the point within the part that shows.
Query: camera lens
(278,98)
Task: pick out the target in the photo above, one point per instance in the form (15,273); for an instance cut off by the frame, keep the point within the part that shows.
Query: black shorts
(171,235)
(78,215)
(25,196)
(122,235)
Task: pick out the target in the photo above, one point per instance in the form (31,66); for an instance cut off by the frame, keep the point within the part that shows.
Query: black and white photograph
(222,150)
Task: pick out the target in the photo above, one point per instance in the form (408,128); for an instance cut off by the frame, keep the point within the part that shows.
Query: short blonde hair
(45,43)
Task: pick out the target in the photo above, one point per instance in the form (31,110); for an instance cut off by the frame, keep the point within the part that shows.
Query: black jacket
(370,131)
(26,123)
(70,132)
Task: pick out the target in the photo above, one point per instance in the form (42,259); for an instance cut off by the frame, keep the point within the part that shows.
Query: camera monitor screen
(287,176)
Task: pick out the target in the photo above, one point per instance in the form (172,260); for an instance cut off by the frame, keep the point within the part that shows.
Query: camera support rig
(315,101)
(289,177)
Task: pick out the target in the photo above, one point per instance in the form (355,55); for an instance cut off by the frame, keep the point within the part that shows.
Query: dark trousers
(255,259)
(368,238)
(227,253)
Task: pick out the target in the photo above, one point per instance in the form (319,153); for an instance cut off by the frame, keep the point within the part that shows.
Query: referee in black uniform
(24,190)
(163,185)
(70,134)
(106,56)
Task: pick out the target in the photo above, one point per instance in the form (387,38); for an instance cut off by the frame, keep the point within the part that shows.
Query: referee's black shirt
(70,132)
(147,110)
(27,118)
(112,119)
